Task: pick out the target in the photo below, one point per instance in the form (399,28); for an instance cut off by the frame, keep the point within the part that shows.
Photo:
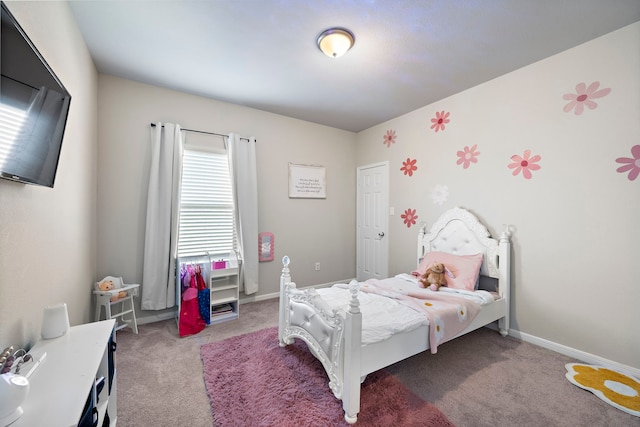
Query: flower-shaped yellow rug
(615,388)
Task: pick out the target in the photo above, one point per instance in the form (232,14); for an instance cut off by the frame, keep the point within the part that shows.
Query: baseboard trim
(577,354)
(580,355)
(157,317)
(251,298)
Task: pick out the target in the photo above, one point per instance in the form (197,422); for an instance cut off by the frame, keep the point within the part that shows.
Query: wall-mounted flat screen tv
(33,109)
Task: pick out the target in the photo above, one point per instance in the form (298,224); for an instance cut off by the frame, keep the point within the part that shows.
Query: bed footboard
(333,336)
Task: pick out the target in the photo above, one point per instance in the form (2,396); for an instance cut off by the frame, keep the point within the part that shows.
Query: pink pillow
(465,268)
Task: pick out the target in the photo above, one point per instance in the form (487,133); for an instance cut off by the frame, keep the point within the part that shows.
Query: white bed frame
(333,336)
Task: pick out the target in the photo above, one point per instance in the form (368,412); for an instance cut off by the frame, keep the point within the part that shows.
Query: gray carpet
(480,379)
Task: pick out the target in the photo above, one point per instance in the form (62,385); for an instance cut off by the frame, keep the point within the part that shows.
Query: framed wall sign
(265,246)
(307,181)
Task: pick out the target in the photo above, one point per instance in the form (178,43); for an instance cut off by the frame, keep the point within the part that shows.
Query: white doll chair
(121,309)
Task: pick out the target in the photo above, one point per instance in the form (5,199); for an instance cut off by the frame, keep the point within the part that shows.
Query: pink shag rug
(252,381)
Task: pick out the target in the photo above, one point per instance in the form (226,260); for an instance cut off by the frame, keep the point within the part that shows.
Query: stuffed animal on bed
(434,277)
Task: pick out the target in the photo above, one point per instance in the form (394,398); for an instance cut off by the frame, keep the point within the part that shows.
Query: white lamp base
(8,419)
(55,321)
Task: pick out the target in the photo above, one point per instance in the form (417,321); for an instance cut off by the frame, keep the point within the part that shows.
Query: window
(12,121)
(206,205)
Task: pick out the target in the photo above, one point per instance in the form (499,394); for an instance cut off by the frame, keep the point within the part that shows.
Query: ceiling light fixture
(335,42)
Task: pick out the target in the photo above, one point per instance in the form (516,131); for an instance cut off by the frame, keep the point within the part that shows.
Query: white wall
(47,236)
(575,221)
(308,230)
(576,228)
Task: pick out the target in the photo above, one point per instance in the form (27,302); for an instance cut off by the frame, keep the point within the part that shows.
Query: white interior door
(373,221)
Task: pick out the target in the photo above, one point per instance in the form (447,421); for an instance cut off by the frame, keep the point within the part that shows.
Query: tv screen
(33,109)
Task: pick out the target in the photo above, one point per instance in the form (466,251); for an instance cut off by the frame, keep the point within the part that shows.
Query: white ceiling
(408,53)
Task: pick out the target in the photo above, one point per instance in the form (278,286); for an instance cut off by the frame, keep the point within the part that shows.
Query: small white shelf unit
(224,287)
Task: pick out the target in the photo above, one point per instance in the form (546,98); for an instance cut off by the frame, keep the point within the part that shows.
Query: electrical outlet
(317,266)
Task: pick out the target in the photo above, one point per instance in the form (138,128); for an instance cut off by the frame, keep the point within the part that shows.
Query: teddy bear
(434,277)
(108,285)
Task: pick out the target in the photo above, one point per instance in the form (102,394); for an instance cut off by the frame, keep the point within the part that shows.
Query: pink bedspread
(448,315)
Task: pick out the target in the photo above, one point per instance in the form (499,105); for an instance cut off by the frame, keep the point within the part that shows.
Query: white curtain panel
(242,166)
(161,238)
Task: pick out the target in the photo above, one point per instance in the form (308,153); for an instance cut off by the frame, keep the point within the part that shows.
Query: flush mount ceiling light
(335,42)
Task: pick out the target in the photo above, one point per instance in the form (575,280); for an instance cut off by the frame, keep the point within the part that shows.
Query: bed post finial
(421,234)
(506,234)
(354,303)
(285,277)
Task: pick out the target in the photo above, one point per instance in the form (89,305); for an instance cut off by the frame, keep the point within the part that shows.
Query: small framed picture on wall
(307,182)
(265,246)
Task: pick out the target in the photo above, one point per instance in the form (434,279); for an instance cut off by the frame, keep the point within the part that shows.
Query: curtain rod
(202,131)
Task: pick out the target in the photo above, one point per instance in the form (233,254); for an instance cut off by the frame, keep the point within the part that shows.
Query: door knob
(381,234)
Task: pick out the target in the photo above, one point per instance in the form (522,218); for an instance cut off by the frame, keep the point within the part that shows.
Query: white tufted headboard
(459,232)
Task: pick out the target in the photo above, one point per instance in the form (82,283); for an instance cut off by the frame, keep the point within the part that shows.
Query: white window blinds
(11,122)
(206,205)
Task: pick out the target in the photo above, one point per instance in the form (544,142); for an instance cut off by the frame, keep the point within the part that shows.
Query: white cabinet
(224,287)
(60,385)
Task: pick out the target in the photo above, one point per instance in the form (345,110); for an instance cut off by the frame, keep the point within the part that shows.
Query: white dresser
(62,382)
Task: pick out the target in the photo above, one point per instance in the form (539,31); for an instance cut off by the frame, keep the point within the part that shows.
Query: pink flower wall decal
(583,97)
(468,156)
(440,120)
(409,166)
(631,164)
(390,138)
(526,164)
(409,216)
